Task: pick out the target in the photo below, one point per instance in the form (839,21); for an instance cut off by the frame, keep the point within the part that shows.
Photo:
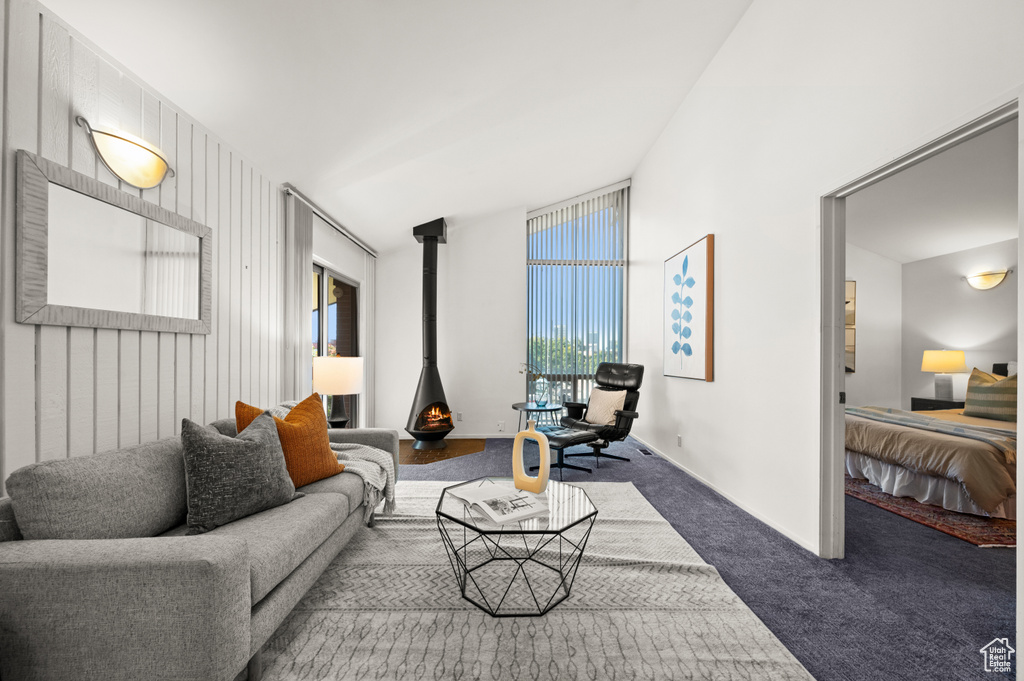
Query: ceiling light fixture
(986,280)
(135,161)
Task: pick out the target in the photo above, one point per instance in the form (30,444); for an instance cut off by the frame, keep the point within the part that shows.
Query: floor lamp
(337,376)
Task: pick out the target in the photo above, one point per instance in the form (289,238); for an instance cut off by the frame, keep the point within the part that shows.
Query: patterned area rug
(983,532)
(644,606)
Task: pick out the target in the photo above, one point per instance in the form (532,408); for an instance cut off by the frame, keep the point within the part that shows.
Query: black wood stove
(430,419)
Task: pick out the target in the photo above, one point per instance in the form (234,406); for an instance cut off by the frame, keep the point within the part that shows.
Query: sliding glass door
(336,334)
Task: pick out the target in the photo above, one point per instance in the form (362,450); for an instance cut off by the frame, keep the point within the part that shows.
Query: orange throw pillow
(303,433)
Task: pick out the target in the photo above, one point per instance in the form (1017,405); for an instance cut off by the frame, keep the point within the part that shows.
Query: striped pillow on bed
(991,397)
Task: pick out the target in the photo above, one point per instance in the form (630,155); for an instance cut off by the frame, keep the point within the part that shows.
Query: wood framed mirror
(89,254)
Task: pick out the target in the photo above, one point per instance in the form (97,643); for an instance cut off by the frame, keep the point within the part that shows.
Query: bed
(943,458)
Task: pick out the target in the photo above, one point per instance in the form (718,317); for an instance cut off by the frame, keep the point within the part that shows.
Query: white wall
(802,98)
(340,254)
(481,327)
(72,391)
(879,329)
(941,312)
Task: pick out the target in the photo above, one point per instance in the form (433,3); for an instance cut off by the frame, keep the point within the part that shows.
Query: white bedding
(927,489)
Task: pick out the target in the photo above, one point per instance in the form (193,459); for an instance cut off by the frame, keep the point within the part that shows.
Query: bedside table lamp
(337,376)
(944,363)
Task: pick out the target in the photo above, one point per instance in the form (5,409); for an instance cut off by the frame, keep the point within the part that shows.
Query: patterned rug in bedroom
(983,532)
(643,606)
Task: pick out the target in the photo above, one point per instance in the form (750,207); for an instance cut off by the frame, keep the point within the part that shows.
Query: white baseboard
(736,502)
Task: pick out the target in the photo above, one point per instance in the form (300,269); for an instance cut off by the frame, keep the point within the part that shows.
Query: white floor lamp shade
(338,375)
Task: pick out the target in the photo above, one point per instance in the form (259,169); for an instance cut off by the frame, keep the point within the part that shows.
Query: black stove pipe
(430,301)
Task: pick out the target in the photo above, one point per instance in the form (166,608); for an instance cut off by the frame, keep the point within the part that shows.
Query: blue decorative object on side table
(540,391)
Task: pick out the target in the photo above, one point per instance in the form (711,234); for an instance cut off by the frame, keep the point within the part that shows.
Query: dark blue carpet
(907,602)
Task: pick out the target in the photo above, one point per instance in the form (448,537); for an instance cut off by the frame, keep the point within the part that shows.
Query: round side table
(532,407)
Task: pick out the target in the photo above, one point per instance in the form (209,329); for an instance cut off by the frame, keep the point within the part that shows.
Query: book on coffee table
(501,502)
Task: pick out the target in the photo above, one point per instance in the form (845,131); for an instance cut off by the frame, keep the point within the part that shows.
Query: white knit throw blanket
(377,469)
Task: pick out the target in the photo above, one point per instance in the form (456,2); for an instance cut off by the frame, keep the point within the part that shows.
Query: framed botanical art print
(689,311)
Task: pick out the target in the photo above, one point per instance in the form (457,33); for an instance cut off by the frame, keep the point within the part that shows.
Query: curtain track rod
(323,215)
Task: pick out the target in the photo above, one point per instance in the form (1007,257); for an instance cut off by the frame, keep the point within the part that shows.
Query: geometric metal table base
(512,574)
(518,569)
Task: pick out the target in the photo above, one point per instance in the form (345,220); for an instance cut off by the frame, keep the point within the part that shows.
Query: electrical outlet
(458,416)
(679,440)
(501,426)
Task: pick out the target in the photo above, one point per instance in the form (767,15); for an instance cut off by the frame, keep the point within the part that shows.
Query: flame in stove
(435,414)
(435,418)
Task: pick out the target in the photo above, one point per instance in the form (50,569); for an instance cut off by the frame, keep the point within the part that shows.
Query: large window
(335,333)
(576,279)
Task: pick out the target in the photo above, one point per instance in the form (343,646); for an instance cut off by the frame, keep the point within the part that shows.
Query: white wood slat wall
(74,391)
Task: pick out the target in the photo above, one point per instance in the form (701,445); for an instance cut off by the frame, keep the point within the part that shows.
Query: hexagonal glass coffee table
(522,568)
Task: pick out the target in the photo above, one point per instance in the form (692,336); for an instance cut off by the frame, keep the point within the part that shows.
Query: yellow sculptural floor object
(522,480)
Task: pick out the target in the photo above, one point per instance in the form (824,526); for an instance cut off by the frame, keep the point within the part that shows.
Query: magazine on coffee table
(501,502)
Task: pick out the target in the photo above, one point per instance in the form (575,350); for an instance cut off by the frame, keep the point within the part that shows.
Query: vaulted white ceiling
(391,113)
(962,198)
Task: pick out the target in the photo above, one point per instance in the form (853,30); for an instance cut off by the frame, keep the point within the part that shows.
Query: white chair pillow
(603,405)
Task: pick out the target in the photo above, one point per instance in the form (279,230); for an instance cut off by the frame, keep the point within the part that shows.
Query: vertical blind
(576,278)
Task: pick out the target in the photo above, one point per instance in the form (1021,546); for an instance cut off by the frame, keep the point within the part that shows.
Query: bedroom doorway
(834,360)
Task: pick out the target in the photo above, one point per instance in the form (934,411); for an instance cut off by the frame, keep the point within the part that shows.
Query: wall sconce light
(986,280)
(135,161)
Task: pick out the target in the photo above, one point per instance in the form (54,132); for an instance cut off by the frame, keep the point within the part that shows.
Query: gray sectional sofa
(108,587)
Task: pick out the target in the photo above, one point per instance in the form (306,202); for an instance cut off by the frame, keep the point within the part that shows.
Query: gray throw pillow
(227,478)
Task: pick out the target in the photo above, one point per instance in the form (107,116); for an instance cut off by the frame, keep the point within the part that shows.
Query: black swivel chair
(576,431)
